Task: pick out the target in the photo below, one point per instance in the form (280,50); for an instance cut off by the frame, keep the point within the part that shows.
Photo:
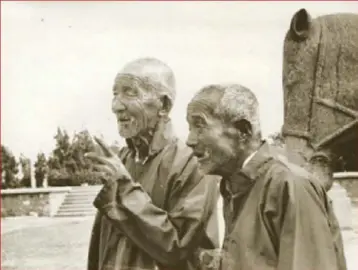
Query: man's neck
(234,165)
(142,143)
(245,155)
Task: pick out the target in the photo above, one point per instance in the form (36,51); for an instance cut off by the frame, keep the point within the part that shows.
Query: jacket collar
(243,178)
(252,169)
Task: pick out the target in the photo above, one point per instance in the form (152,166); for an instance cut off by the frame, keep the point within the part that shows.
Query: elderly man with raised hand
(155,208)
(275,212)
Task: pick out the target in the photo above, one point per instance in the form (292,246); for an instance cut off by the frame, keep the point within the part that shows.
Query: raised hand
(107,162)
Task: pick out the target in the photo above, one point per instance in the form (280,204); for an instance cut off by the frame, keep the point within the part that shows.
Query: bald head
(231,103)
(152,72)
(143,96)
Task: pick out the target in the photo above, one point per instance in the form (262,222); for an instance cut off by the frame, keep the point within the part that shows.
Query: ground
(61,243)
(45,244)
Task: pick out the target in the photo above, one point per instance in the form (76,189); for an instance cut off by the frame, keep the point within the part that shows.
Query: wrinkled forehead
(146,85)
(204,103)
(122,81)
(127,79)
(149,75)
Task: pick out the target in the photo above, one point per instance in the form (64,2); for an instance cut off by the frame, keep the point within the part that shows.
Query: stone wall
(349,180)
(32,201)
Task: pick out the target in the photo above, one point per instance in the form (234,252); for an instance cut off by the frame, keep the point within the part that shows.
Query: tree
(83,173)
(67,165)
(58,174)
(9,169)
(40,169)
(25,164)
(62,147)
(82,143)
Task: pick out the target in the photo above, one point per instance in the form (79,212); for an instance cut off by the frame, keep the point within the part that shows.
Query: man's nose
(192,140)
(117,105)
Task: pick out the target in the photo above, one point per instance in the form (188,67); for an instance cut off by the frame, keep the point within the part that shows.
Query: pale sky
(59,59)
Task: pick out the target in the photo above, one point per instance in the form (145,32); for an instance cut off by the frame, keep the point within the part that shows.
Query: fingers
(102,176)
(96,158)
(103,173)
(98,149)
(114,162)
(110,165)
(103,169)
(104,147)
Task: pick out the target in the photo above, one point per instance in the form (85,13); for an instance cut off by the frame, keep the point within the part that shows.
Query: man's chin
(206,167)
(127,134)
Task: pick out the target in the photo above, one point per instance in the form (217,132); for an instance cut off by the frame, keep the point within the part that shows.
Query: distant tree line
(65,166)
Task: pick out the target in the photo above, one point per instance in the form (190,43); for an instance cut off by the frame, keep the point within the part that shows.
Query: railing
(348,180)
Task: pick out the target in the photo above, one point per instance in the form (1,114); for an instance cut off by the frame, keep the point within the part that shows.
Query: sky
(59,59)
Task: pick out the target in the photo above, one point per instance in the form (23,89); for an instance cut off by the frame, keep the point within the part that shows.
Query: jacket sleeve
(92,260)
(168,237)
(297,212)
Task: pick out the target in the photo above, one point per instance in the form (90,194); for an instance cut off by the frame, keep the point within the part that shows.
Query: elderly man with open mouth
(156,210)
(275,212)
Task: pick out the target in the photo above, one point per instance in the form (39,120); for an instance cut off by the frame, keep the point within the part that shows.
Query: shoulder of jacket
(293,174)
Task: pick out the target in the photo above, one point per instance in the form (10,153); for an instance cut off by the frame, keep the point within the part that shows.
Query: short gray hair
(232,102)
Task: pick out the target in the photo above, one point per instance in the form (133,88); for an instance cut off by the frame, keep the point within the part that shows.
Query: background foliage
(65,166)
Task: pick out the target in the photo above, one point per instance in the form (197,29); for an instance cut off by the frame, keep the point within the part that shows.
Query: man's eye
(199,123)
(199,127)
(129,91)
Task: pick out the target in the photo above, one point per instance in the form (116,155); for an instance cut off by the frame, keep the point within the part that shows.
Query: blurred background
(59,59)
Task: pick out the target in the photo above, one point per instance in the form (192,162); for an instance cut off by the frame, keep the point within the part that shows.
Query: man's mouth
(202,156)
(124,119)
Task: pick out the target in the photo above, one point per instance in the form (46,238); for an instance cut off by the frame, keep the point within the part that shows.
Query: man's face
(135,105)
(210,140)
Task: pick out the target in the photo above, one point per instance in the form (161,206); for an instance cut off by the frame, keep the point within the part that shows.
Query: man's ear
(300,25)
(166,105)
(244,127)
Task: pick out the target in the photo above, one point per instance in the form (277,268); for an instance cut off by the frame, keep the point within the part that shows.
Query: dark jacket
(160,217)
(278,217)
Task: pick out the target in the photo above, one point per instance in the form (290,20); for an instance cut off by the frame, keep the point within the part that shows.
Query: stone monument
(320,83)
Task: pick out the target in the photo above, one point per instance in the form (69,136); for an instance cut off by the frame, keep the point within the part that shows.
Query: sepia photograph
(179,135)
